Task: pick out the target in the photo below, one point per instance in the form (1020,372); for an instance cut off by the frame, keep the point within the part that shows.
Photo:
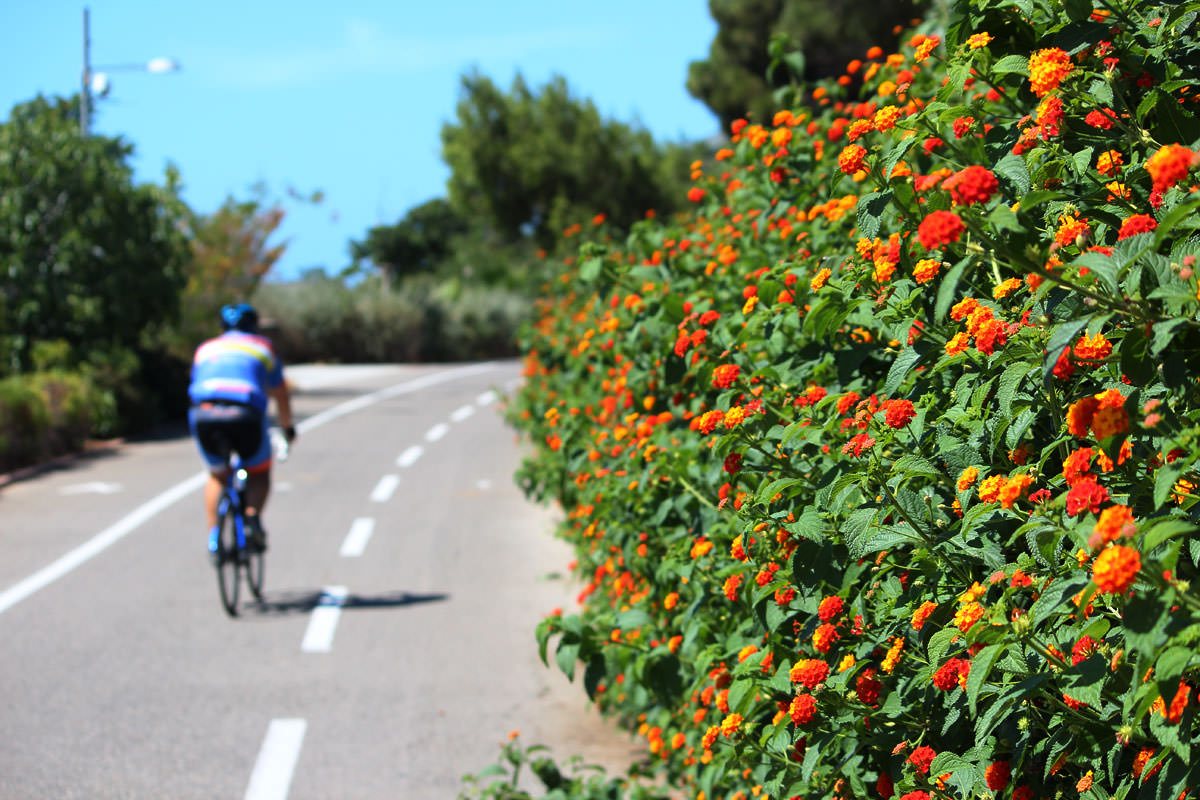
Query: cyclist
(233,377)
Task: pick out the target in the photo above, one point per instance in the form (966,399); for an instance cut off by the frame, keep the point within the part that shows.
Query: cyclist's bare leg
(258,486)
(212,494)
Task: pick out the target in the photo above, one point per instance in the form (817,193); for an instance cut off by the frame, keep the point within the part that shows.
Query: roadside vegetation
(880,462)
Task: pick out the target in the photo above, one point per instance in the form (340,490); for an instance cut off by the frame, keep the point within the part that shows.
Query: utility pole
(85,95)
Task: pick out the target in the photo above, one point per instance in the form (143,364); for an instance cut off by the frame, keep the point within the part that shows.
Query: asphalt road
(394,650)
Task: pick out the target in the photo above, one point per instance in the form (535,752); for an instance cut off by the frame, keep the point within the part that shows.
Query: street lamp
(96,80)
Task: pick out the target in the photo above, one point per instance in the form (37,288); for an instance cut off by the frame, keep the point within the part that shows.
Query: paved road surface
(396,516)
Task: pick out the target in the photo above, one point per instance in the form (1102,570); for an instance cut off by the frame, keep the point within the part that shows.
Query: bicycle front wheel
(227,562)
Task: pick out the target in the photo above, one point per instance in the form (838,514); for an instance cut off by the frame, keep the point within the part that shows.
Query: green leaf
(1163,530)
(963,773)
(1083,681)
(1051,600)
(590,269)
(1173,662)
(870,212)
(1010,381)
(662,676)
(1004,218)
(981,665)
(1012,64)
(939,643)
(1144,625)
(1164,333)
(908,358)
(566,656)
(1101,91)
(915,465)
(1083,161)
(1014,169)
(1164,481)
(594,675)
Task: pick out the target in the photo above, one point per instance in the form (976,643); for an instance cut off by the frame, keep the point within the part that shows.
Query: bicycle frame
(231,503)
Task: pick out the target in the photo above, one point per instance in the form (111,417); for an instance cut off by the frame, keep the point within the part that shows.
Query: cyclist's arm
(283,405)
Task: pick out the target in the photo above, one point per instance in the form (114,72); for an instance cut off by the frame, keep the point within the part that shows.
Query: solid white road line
(321,626)
(410,456)
(384,490)
(356,540)
(437,432)
(124,526)
(462,413)
(487,398)
(272,776)
(98,543)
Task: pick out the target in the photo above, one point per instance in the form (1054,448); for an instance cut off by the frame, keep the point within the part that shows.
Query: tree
(526,164)
(231,253)
(86,256)
(733,81)
(420,242)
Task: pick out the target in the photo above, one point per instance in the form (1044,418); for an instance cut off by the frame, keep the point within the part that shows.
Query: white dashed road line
(356,540)
(487,398)
(323,623)
(410,456)
(437,432)
(384,490)
(272,776)
(462,413)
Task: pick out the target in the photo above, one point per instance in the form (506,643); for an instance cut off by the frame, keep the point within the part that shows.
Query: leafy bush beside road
(880,466)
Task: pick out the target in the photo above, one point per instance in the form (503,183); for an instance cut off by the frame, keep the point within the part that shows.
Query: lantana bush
(880,466)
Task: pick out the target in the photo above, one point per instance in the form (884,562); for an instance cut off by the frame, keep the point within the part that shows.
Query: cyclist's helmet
(241,317)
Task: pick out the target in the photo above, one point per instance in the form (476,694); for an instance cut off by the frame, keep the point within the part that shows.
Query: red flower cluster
(949,674)
(921,758)
(725,375)
(940,228)
(809,671)
(830,607)
(802,708)
(974,184)
(898,413)
(1135,224)
(868,687)
(1086,495)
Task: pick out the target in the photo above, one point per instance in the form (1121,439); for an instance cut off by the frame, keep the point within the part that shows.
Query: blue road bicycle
(234,552)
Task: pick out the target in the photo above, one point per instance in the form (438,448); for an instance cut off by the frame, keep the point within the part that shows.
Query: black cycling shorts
(225,429)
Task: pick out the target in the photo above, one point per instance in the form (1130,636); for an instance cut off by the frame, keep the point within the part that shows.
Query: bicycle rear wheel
(254,571)
(227,562)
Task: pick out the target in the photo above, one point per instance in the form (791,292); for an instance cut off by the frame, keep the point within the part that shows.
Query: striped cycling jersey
(235,367)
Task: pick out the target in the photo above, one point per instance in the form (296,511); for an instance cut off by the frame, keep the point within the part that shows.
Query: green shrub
(69,399)
(24,422)
(421,319)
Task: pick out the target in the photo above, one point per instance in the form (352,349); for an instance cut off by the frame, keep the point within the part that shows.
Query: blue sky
(343,97)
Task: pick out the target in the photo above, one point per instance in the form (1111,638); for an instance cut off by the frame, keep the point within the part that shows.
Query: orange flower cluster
(1104,414)
(1047,69)
(1116,568)
(1170,164)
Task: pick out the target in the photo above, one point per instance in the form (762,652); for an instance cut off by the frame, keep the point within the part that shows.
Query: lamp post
(91,77)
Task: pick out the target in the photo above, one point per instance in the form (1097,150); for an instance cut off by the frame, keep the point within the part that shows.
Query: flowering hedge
(881,465)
